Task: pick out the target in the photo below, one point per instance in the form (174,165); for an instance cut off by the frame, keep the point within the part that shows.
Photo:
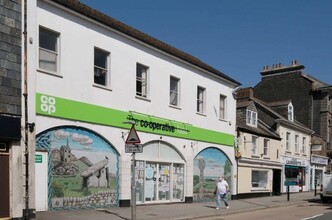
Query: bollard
(315,187)
(287,192)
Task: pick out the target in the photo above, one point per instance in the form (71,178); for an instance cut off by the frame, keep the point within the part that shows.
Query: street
(311,210)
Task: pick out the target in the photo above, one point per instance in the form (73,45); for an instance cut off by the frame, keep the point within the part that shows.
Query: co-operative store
(81,160)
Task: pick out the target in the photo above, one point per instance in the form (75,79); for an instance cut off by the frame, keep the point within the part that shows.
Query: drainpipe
(26,214)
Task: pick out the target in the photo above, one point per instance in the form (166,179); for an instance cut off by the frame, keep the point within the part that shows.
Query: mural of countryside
(84,170)
(209,165)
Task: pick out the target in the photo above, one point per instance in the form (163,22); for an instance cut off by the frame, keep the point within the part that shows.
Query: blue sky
(237,37)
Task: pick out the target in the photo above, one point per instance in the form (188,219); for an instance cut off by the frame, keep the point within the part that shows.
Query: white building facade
(295,157)
(89,75)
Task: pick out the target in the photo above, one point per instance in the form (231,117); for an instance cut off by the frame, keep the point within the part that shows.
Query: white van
(326,191)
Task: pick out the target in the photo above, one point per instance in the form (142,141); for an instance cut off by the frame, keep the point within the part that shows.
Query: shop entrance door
(154,182)
(164,182)
(4,186)
(276,182)
(41,179)
(301,178)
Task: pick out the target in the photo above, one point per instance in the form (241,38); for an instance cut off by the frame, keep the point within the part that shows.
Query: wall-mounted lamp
(31,127)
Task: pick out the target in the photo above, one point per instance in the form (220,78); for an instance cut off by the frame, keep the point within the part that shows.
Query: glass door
(178,181)
(164,182)
(150,184)
(139,178)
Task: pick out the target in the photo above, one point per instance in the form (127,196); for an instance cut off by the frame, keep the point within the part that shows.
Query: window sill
(101,87)
(223,120)
(201,114)
(304,155)
(297,154)
(142,98)
(175,107)
(50,73)
(266,157)
(259,190)
(255,156)
(287,152)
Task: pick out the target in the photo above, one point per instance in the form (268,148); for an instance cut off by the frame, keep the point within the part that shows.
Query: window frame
(266,148)
(288,141)
(266,175)
(201,100)
(296,143)
(222,107)
(106,68)
(56,53)
(254,147)
(304,145)
(176,91)
(290,112)
(251,118)
(143,81)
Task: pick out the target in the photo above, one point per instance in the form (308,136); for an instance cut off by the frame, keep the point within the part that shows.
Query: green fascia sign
(53,106)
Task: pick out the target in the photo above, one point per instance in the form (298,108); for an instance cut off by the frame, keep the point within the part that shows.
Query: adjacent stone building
(12,188)
(312,104)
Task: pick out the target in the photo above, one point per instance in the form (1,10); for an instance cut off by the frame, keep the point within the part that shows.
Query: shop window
(294,176)
(48,50)
(259,179)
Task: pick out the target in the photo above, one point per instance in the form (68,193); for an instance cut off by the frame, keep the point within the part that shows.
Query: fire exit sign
(38,158)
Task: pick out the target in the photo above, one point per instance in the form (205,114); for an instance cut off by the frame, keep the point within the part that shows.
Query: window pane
(48,50)
(141,80)
(200,99)
(254,145)
(178,181)
(100,67)
(259,179)
(47,60)
(174,90)
(48,40)
(222,108)
(266,147)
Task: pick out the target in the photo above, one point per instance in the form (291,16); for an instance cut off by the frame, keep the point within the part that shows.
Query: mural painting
(83,169)
(209,165)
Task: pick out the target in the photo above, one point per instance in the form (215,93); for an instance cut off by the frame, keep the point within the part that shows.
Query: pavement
(180,211)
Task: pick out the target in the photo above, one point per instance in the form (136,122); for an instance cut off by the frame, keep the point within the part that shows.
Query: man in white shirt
(221,192)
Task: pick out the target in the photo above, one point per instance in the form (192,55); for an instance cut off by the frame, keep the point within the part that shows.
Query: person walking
(221,192)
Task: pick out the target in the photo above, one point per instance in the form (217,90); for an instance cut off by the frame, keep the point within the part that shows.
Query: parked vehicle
(326,190)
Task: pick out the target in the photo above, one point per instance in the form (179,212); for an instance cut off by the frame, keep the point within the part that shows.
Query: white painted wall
(78,37)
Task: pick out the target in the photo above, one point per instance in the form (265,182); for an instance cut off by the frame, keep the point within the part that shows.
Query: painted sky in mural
(84,144)
(214,162)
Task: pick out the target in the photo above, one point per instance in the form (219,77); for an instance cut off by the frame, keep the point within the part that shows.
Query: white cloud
(61,134)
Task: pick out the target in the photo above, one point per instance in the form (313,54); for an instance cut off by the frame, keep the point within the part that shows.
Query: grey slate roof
(140,36)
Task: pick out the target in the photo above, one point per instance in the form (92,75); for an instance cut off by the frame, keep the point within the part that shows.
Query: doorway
(4,186)
(276,187)
(41,176)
